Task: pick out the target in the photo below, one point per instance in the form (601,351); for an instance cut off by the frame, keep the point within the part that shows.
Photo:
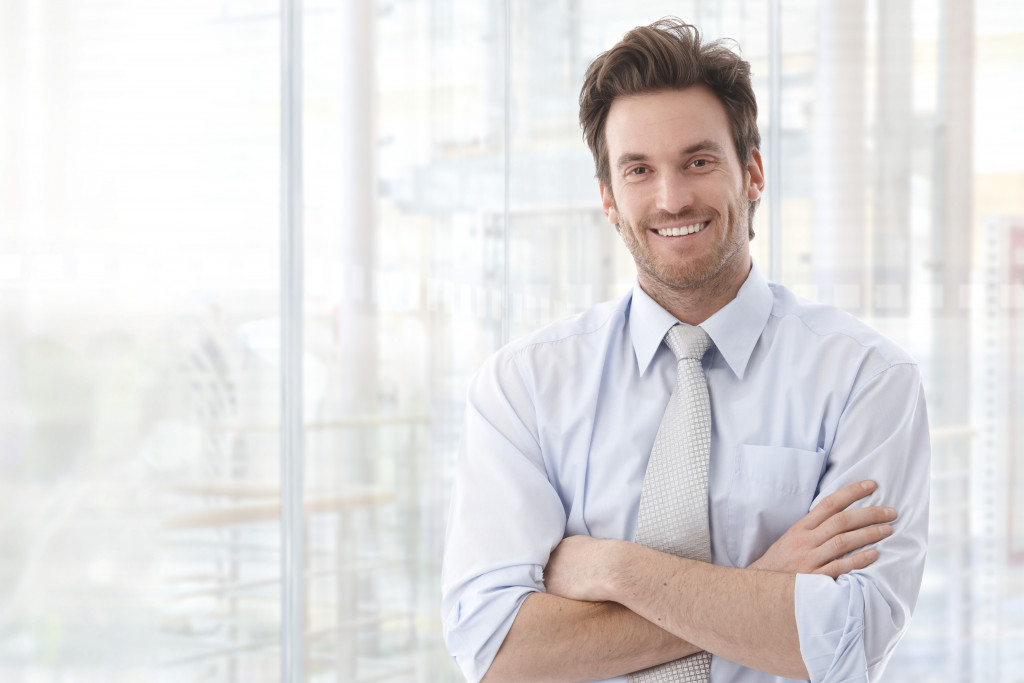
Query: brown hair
(668,55)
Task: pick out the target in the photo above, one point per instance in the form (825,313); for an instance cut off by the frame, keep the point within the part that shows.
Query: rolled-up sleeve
(848,627)
(504,520)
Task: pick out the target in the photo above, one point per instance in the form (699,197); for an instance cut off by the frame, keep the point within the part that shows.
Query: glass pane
(139,374)
(404,175)
(896,169)
(138,304)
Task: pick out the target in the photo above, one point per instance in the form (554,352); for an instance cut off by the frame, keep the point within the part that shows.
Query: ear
(608,202)
(755,176)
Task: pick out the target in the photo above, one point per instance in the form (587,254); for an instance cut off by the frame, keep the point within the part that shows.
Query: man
(812,417)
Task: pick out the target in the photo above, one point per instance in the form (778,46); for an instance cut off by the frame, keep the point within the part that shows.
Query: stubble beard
(709,275)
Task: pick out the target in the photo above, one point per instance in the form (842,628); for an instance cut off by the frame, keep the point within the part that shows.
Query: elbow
(500,672)
(850,631)
(795,669)
(475,629)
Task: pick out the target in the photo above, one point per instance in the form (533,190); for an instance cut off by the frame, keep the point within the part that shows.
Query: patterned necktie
(673,515)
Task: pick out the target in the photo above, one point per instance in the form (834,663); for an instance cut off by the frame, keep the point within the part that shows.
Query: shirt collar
(734,328)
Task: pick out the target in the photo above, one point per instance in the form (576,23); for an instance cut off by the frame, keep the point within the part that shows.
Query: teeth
(677,232)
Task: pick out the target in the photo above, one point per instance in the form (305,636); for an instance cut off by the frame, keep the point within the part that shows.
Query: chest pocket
(772,487)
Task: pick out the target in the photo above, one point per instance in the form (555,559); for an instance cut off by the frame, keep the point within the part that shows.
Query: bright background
(449,206)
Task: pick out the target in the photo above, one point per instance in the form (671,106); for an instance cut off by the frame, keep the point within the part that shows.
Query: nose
(674,193)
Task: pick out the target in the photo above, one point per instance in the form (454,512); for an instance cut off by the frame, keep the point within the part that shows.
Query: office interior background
(446,204)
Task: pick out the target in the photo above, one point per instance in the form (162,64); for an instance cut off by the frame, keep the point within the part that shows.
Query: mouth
(681,230)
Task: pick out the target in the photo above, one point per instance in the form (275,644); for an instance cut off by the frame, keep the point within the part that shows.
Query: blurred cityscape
(450,206)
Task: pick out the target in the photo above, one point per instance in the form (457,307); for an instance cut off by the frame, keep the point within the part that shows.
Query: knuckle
(875,513)
(831,504)
(833,569)
(833,526)
(838,544)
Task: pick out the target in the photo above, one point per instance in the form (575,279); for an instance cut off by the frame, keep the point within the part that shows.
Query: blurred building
(449,206)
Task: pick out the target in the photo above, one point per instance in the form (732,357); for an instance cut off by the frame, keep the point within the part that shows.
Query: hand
(817,543)
(578,567)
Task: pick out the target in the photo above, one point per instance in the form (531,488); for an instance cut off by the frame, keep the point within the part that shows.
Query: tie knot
(687,341)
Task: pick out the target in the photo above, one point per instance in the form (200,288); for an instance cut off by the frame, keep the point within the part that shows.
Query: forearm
(556,639)
(743,615)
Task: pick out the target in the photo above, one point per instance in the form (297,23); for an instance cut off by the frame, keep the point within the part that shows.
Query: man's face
(679,193)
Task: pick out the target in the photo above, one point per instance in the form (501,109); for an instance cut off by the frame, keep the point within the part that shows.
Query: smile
(682,230)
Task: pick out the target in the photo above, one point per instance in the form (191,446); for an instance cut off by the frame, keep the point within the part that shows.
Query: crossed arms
(613,607)
(606,607)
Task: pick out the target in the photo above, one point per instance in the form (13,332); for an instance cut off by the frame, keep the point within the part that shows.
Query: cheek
(632,205)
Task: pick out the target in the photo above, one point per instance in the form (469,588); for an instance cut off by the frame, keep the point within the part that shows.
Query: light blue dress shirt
(804,400)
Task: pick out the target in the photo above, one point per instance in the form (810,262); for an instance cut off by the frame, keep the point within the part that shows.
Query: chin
(692,277)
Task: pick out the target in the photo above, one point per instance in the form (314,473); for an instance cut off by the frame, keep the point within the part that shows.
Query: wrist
(619,574)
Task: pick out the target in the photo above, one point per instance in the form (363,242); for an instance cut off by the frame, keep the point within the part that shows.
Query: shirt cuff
(476,625)
(830,624)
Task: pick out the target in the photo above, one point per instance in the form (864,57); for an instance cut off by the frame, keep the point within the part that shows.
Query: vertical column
(292,527)
(950,395)
(992,468)
(890,258)
(353,389)
(838,154)
(954,195)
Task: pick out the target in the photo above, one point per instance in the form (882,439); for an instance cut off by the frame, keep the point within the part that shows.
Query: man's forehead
(681,121)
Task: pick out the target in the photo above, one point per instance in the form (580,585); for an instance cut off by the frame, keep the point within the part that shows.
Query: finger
(845,565)
(849,520)
(839,501)
(844,544)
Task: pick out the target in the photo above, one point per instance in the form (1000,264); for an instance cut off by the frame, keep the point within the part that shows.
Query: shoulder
(582,329)
(560,345)
(837,333)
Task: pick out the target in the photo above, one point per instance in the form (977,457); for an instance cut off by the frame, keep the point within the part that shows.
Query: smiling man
(708,479)
(680,196)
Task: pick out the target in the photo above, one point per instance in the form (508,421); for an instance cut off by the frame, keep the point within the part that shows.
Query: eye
(701,163)
(638,170)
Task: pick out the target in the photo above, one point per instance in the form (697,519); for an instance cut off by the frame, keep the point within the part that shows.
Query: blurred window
(449,207)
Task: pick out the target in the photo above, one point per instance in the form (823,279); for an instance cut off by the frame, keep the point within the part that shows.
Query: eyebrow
(702,146)
(705,146)
(628,158)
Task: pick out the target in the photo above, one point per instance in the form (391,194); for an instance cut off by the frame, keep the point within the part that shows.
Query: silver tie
(673,515)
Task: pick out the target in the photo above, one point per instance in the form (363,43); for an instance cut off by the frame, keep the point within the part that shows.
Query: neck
(693,305)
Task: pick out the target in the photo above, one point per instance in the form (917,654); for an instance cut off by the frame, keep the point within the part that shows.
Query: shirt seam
(516,355)
(525,344)
(864,385)
(875,348)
